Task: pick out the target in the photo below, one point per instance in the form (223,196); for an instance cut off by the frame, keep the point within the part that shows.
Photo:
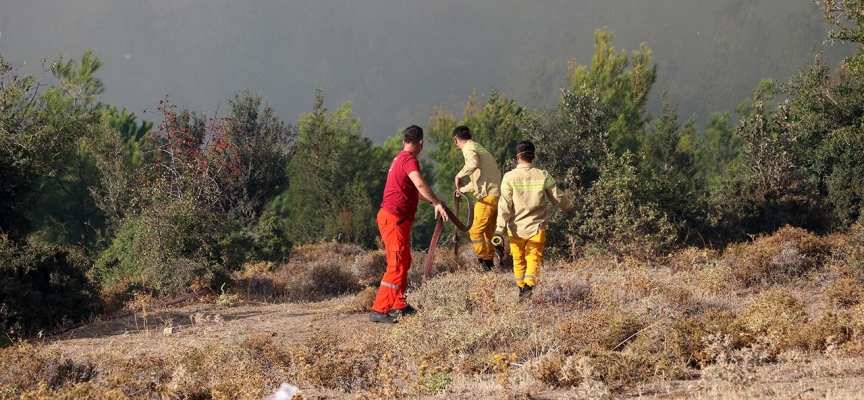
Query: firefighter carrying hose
(405,186)
(485,176)
(522,215)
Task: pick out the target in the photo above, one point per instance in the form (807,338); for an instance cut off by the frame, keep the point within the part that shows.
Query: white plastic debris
(286,392)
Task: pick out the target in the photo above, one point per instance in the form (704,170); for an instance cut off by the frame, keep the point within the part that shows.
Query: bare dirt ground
(203,322)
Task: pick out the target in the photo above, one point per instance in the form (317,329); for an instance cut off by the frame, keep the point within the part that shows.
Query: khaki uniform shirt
(483,170)
(522,208)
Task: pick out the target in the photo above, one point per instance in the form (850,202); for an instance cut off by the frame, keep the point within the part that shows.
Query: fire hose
(439,226)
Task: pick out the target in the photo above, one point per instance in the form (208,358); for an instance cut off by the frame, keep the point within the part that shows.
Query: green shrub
(619,216)
(266,241)
(165,250)
(42,288)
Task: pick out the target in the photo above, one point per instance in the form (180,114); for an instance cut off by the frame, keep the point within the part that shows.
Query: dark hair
(412,134)
(462,132)
(525,150)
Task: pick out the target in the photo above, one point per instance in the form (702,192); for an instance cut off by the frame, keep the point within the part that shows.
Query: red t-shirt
(400,194)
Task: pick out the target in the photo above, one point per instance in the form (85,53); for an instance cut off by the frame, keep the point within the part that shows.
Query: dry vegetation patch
(596,328)
(845,292)
(776,259)
(773,316)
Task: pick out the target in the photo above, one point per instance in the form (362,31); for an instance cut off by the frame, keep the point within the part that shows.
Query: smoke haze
(397,59)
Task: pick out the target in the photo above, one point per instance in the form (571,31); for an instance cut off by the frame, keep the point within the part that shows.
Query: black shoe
(376,316)
(525,291)
(401,312)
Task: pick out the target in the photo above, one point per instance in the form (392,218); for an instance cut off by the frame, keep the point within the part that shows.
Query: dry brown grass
(597,328)
(314,273)
(771,320)
(787,254)
(565,290)
(359,303)
(693,259)
(845,292)
(716,279)
(369,267)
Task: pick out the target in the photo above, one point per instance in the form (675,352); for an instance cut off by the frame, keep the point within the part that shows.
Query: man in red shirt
(404,187)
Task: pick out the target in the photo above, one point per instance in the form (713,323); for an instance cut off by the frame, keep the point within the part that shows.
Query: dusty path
(202,323)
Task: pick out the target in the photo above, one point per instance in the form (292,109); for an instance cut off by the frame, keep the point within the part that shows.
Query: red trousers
(396,234)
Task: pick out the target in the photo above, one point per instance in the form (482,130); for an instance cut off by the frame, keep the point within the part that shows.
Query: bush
(822,333)
(562,371)
(370,267)
(165,250)
(173,246)
(620,370)
(618,216)
(266,241)
(693,259)
(42,288)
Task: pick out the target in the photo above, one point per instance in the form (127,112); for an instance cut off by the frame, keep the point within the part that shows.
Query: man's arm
(557,196)
(505,208)
(427,194)
(472,162)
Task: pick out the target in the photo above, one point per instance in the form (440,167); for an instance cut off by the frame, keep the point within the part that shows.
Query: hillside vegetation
(693,252)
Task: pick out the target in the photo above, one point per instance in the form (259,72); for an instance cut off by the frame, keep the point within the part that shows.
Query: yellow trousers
(527,257)
(483,227)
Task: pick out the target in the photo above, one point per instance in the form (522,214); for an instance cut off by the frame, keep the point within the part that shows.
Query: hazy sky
(397,59)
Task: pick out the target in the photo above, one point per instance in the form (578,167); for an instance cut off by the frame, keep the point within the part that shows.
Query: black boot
(376,316)
(401,312)
(525,291)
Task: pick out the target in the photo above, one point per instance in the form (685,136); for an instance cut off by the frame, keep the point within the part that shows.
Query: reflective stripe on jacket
(522,207)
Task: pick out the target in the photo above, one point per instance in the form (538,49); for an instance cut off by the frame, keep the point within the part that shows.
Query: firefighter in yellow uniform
(485,176)
(522,214)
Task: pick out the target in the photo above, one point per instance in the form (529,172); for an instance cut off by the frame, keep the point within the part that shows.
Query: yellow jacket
(522,208)
(483,170)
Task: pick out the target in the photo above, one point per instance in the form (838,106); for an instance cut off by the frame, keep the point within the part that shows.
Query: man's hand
(439,211)
(458,193)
